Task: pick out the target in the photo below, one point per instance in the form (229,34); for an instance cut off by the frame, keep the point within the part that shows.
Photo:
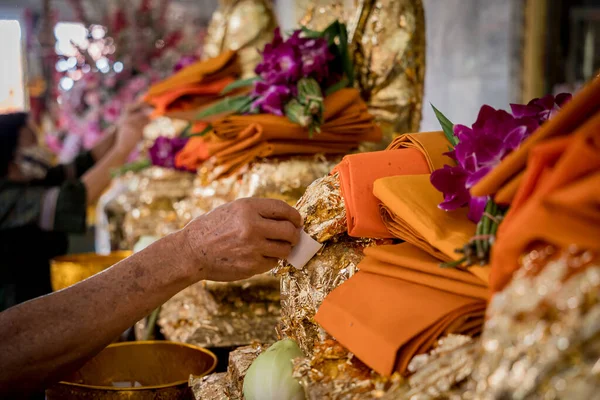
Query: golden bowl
(161,368)
(68,270)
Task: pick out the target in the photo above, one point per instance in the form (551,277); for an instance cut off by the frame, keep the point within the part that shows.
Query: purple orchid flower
(270,98)
(285,62)
(163,151)
(481,147)
(541,109)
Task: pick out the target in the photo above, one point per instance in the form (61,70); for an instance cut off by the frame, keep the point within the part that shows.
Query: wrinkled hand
(130,128)
(241,239)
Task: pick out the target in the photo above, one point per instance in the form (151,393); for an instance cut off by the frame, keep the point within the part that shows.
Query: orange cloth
(189,96)
(240,139)
(405,261)
(558,201)
(386,321)
(411,154)
(433,145)
(577,111)
(357,174)
(401,302)
(224,65)
(410,212)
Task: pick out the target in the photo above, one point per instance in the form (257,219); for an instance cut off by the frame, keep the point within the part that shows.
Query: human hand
(241,239)
(130,127)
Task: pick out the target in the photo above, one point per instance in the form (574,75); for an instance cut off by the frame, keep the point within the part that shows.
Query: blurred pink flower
(112,111)
(92,98)
(53,142)
(110,81)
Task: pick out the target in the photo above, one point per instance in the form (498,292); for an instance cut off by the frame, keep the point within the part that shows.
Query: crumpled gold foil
(542,336)
(242,25)
(333,373)
(147,207)
(212,314)
(387,40)
(322,209)
(239,361)
(303,291)
(211,387)
(230,384)
(439,373)
(284,179)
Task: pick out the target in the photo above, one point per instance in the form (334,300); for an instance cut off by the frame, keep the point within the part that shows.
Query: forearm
(105,144)
(44,338)
(98,177)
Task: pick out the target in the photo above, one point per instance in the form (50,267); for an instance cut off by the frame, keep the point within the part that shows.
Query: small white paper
(306,248)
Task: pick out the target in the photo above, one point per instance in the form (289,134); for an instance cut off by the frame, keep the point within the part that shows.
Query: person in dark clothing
(41,204)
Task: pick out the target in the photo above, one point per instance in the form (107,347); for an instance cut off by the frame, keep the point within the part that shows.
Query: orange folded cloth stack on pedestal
(433,145)
(401,301)
(410,154)
(553,185)
(358,172)
(237,140)
(194,87)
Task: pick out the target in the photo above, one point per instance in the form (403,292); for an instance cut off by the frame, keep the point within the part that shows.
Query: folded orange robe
(408,262)
(213,69)
(188,97)
(411,154)
(582,107)
(357,174)
(433,145)
(410,211)
(240,139)
(386,321)
(557,202)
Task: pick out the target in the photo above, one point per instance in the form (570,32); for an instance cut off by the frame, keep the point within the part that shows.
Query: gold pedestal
(68,270)
(161,368)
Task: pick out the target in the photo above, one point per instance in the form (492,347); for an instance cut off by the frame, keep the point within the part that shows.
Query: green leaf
(186,131)
(134,166)
(204,131)
(232,104)
(447,126)
(310,33)
(239,84)
(344,82)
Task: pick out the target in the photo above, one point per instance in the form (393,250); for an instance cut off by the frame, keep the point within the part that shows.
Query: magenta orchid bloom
(480,148)
(163,151)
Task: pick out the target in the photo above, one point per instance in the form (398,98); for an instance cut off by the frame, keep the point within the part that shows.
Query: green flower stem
(486,221)
(151,324)
(454,264)
(478,242)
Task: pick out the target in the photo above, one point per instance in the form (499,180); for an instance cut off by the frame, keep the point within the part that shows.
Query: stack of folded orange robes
(401,302)
(238,140)
(187,92)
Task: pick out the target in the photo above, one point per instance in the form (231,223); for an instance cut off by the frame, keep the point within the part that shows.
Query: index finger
(279,210)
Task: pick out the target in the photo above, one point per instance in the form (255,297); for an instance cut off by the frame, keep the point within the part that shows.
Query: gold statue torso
(388,44)
(242,25)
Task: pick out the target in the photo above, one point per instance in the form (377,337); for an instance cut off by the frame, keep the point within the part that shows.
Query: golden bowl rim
(136,389)
(76,258)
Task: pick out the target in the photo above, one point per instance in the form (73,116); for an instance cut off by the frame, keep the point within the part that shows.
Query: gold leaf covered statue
(241,25)
(387,38)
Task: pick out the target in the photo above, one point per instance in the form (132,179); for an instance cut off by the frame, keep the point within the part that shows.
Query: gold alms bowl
(68,270)
(146,370)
